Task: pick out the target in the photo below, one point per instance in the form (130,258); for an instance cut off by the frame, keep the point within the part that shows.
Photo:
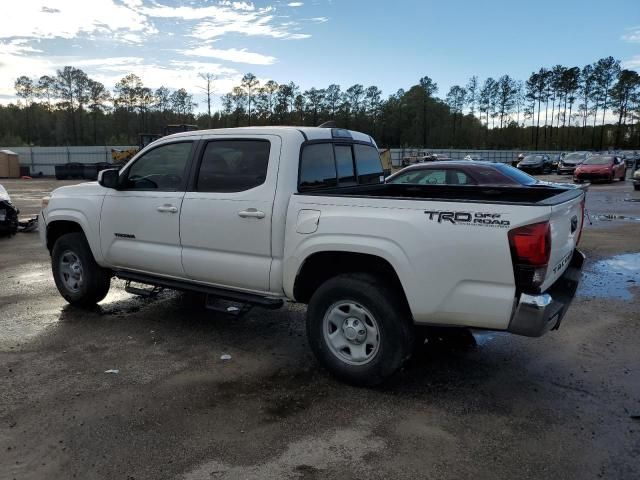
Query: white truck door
(140,222)
(225,222)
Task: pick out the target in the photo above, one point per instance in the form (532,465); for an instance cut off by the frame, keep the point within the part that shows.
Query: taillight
(530,250)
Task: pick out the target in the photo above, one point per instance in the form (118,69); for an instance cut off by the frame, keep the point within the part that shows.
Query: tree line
(593,107)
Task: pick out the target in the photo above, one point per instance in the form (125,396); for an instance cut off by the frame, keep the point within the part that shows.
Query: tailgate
(566,225)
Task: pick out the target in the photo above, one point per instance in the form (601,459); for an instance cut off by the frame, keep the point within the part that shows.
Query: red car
(600,167)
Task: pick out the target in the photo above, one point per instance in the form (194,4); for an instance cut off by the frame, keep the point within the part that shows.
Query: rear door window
(325,165)
(368,164)
(233,165)
(344,165)
(317,167)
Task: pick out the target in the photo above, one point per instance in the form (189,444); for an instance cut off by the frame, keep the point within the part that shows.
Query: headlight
(45,202)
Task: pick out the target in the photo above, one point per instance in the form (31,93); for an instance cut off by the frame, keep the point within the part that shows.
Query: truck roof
(308,133)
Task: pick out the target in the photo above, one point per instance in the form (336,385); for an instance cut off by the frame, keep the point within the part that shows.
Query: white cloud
(34,32)
(68,19)
(231,55)
(632,35)
(633,63)
(227,17)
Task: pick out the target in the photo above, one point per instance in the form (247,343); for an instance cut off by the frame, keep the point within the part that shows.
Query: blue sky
(312,42)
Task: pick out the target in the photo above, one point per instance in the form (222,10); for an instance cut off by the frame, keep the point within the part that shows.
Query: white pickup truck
(263,215)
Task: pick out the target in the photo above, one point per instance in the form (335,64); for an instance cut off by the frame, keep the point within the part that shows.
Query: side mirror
(109,178)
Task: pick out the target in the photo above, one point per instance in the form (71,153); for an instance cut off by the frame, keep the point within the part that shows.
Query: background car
(556,158)
(631,159)
(474,158)
(571,160)
(636,180)
(461,172)
(600,167)
(8,214)
(539,163)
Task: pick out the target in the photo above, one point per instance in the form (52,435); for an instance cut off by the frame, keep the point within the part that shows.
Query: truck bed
(525,195)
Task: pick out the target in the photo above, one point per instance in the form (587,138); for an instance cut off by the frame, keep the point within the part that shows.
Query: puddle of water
(484,337)
(610,217)
(612,277)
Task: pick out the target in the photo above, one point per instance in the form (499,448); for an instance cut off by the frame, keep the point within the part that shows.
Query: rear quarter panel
(563,239)
(453,273)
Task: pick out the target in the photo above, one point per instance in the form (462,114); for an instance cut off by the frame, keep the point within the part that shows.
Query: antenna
(329,124)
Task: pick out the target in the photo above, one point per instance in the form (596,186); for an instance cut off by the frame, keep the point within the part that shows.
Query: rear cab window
(338,164)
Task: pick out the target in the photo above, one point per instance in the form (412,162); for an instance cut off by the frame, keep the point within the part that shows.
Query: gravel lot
(562,406)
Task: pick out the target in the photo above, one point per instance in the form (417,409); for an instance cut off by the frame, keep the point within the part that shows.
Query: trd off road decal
(478,219)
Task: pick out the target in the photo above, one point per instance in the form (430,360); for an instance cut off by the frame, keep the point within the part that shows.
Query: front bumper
(592,176)
(535,315)
(8,218)
(531,168)
(567,168)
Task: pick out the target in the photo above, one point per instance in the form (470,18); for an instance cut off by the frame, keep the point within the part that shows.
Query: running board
(240,297)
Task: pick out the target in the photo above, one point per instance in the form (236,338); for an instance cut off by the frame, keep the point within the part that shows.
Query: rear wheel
(80,280)
(359,328)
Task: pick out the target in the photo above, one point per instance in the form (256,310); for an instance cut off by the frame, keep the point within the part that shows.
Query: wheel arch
(59,225)
(320,266)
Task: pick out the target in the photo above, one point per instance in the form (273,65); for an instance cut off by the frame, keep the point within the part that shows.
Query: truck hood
(80,190)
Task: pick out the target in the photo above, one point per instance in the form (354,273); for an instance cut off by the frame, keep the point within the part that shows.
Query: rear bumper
(535,315)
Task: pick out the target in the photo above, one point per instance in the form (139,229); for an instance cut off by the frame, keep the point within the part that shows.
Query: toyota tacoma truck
(264,215)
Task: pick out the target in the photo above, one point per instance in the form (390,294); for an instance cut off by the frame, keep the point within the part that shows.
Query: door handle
(167,208)
(251,213)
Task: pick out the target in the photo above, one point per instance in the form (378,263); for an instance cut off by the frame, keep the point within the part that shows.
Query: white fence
(502,156)
(42,160)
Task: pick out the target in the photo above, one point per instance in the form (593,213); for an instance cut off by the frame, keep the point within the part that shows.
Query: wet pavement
(560,406)
(614,277)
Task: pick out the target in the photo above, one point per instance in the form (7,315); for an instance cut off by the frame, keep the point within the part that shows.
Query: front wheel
(80,280)
(359,328)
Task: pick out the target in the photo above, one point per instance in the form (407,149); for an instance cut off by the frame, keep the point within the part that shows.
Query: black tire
(636,187)
(390,313)
(95,280)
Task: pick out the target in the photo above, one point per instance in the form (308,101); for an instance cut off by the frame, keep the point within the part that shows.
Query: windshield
(533,158)
(598,160)
(574,156)
(515,174)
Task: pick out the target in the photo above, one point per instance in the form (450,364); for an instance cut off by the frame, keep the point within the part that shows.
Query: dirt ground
(562,406)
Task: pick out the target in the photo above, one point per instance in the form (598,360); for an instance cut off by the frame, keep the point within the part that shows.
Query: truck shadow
(270,357)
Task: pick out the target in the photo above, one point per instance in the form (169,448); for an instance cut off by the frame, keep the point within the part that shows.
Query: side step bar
(241,297)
